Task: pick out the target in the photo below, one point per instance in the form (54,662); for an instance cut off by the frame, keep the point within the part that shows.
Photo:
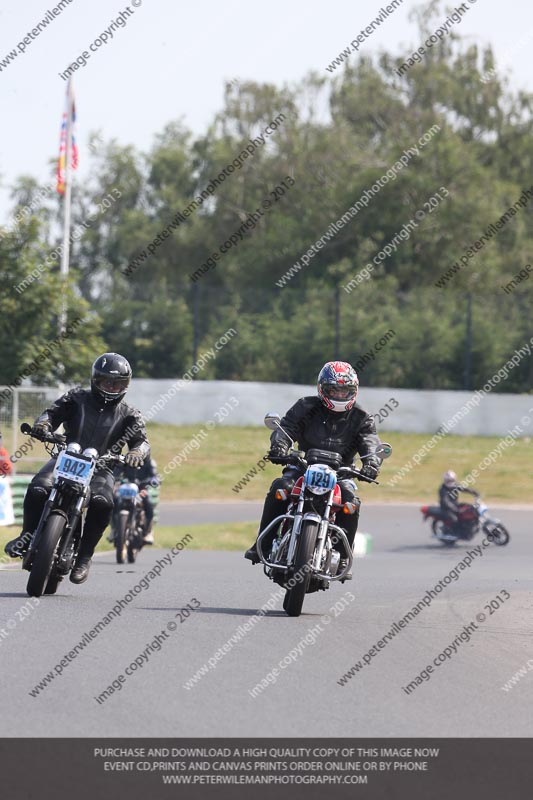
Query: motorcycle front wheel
(44,557)
(497,534)
(294,597)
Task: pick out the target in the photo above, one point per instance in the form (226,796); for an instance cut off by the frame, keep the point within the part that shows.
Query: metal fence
(23,405)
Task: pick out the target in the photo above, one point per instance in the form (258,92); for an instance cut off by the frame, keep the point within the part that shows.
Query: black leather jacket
(449,497)
(311,424)
(93,423)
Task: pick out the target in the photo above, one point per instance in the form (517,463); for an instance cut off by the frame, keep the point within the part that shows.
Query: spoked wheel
(294,598)
(120,537)
(497,534)
(440,531)
(43,559)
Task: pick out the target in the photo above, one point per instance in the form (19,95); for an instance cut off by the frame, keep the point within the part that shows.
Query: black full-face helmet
(110,377)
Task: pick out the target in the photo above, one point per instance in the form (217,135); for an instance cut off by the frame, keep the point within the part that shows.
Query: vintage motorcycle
(303,558)
(472,517)
(129,522)
(55,542)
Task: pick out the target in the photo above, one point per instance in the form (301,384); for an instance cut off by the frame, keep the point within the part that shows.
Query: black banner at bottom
(136,769)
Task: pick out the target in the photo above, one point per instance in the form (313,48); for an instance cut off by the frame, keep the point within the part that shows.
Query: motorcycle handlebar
(51,438)
(57,438)
(299,461)
(364,478)
(111,458)
(288,459)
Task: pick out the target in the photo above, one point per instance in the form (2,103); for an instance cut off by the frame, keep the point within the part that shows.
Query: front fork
(322,533)
(68,546)
(324,525)
(72,523)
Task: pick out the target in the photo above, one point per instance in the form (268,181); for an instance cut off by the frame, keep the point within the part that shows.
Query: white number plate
(320,478)
(74,469)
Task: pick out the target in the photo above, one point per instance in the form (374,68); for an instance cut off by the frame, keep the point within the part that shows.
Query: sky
(170,61)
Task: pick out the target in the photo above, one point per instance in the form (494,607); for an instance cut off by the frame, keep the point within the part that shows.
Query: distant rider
(449,494)
(97,417)
(144,477)
(332,421)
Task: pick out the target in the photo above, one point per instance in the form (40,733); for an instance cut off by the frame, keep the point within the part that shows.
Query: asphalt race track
(463,696)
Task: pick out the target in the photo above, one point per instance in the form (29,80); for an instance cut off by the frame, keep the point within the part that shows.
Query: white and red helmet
(338,385)
(449,478)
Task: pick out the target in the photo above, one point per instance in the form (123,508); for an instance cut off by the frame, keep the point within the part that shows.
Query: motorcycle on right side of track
(54,545)
(472,517)
(303,558)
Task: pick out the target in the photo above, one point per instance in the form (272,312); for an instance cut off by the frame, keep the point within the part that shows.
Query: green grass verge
(215,536)
(226,454)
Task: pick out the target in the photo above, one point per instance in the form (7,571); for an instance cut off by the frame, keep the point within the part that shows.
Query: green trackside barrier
(363,543)
(19,484)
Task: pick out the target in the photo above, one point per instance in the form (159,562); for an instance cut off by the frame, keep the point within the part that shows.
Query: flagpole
(65,254)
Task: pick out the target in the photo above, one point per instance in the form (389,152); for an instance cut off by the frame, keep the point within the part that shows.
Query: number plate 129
(319,478)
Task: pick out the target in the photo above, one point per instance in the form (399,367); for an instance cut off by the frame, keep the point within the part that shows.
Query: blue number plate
(320,478)
(74,469)
(128,490)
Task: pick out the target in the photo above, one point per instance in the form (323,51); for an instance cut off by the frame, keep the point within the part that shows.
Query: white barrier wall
(417,411)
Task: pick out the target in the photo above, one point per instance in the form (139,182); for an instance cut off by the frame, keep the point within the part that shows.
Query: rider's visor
(112,385)
(338,392)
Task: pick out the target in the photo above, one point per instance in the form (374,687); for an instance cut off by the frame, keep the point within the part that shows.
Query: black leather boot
(251,554)
(16,548)
(80,573)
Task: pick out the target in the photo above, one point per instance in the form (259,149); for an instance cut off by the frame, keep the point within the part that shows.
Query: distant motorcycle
(303,558)
(472,517)
(130,522)
(54,546)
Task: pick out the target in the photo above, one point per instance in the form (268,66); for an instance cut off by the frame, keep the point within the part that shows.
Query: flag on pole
(69,115)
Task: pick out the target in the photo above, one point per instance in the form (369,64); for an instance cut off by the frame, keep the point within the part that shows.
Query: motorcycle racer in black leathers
(332,421)
(449,496)
(97,417)
(145,476)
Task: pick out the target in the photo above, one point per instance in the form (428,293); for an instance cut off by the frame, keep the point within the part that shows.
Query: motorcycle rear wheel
(44,557)
(294,598)
(53,583)
(132,553)
(438,527)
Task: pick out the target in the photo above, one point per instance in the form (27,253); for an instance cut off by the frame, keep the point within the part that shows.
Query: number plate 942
(320,478)
(74,469)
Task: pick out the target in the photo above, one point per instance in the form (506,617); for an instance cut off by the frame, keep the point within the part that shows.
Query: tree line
(146,223)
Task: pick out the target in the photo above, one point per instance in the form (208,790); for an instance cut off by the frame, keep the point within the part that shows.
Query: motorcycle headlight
(90,452)
(74,448)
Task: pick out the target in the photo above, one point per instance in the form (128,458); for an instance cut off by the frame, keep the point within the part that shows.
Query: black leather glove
(278,453)
(369,472)
(42,428)
(134,459)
